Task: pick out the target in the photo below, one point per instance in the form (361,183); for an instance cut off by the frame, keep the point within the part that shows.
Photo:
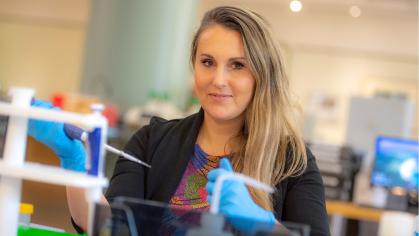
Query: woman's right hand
(71,152)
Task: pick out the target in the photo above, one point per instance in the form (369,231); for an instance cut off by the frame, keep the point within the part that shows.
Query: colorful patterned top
(191,192)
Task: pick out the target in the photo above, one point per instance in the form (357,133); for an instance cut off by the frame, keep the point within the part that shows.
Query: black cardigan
(168,146)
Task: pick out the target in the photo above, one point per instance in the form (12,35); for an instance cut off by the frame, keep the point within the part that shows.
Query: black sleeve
(128,178)
(304,200)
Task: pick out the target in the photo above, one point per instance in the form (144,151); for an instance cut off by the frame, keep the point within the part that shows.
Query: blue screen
(396,163)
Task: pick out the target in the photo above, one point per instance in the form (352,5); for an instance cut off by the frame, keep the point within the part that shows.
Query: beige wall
(41,44)
(45,58)
(341,75)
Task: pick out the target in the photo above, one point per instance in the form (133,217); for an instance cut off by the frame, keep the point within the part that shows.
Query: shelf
(51,174)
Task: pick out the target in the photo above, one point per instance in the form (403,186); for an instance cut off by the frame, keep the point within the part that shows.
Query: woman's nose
(220,78)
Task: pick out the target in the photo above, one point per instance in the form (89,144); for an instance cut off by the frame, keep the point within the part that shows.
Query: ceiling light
(355,11)
(296,5)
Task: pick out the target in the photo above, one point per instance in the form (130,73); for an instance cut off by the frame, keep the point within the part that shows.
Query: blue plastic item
(93,139)
(74,132)
(235,200)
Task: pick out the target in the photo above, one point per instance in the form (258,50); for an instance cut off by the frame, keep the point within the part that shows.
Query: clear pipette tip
(126,155)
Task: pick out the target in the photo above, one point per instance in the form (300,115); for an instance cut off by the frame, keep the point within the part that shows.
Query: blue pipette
(77,133)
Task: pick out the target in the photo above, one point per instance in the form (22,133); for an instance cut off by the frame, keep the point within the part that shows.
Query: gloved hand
(71,152)
(235,200)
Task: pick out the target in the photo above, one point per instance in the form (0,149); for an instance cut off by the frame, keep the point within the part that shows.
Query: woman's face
(223,81)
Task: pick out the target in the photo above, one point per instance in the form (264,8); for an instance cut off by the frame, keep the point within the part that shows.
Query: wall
(341,75)
(41,44)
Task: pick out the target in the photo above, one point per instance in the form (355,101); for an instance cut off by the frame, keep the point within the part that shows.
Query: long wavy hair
(271,147)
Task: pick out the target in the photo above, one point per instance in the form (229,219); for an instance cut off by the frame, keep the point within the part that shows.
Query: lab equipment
(338,166)
(396,163)
(14,168)
(368,118)
(74,132)
(127,216)
(232,198)
(125,155)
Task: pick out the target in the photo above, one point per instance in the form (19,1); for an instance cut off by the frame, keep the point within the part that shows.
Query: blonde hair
(271,147)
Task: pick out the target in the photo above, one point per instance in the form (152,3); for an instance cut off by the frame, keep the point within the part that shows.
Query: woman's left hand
(235,200)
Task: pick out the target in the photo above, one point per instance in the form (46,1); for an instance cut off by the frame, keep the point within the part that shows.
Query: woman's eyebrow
(206,55)
(230,59)
(238,58)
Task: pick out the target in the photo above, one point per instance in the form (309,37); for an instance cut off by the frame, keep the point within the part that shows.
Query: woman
(246,116)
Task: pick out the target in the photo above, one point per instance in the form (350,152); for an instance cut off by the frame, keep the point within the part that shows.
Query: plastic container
(25,212)
(25,228)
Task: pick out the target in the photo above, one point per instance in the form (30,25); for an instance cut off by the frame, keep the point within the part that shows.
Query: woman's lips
(219,97)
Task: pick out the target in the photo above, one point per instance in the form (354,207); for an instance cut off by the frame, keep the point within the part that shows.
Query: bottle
(25,212)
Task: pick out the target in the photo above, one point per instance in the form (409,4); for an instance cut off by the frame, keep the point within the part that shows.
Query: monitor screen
(396,163)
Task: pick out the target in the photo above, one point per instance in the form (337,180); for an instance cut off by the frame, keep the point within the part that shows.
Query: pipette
(75,132)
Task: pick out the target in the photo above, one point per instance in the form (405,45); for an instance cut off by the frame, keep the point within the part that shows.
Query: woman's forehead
(220,40)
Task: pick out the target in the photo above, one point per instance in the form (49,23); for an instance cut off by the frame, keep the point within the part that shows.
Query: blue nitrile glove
(71,152)
(235,200)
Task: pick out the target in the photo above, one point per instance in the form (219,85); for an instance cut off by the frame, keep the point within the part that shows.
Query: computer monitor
(396,163)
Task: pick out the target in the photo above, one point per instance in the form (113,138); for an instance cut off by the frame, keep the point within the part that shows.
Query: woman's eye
(207,62)
(237,65)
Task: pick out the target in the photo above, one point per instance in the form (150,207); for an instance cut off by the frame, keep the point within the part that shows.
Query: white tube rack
(51,175)
(13,167)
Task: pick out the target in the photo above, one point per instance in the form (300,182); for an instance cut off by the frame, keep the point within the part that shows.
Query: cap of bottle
(25,208)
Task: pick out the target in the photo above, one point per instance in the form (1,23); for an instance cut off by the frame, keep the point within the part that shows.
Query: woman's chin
(223,115)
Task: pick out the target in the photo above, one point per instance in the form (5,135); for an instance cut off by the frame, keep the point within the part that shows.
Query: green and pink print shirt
(191,192)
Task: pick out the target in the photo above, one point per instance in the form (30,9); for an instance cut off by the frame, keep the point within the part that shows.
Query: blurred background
(352,65)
